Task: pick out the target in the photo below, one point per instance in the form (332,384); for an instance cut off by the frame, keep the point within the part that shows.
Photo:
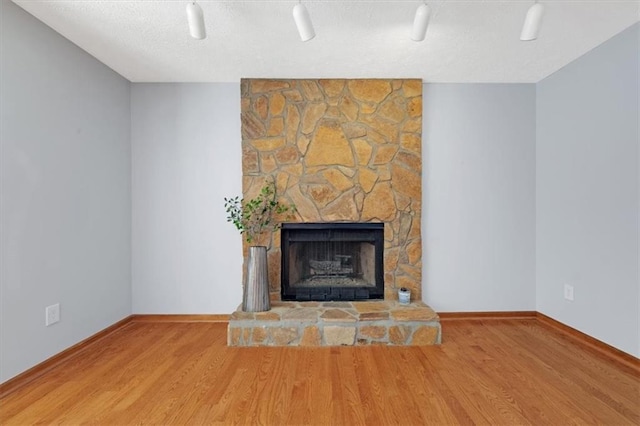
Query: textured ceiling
(467,41)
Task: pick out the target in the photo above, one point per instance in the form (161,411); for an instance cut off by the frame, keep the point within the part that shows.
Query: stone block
(374,91)
(310,336)
(415,272)
(354,130)
(249,161)
(391,259)
(424,335)
(393,110)
(233,336)
(367,179)
(412,88)
(292,122)
(363,151)
(343,208)
(414,251)
(373,316)
(337,179)
(303,144)
(343,305)
(268,144)
(283,336)
(312,114)
(323,194)
(332,87)
(339,336)
(329,146)
(349,108)
(333,112)
(241,315)
(276,104)
(304,206)
(259,335)
(261,106)
(398,334)
(373,331)
(337,315)
(414,107)
(410,160)
(379,203)
(301,314)
(252,126)
(293,95)
(276,127)
(407,182)
(267,316)
(385,153)
(411,313)
(411,142)
(287,155)
(387,129)
(371,306)
(262,86)
(311,90)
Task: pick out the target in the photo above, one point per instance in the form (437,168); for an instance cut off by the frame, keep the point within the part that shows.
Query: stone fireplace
(342,151)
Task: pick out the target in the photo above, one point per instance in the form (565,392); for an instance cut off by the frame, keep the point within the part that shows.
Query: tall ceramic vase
(255,296)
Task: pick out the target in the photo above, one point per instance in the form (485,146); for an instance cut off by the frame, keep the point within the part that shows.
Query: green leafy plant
(257,215)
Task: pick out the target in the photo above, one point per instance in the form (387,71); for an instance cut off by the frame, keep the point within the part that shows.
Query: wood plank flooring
(499,372)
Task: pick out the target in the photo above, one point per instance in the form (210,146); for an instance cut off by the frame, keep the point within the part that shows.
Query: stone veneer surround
(340,150)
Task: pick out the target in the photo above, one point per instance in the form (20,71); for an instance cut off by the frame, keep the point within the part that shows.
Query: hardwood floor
(486,372)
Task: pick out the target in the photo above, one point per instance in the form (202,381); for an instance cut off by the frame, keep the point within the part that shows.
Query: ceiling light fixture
(532,22)
(421,22)
(303,22)
(195,17)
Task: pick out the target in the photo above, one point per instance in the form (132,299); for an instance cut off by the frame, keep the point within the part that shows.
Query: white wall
(479,197)
(479,191)
(587,193)
(65,192)
(186,158)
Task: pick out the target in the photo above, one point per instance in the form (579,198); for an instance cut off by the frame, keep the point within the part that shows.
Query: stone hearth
(336,324)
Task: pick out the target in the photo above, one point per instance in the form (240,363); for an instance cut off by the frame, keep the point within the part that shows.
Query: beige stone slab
(414,314)
(373,316)
(233,336)
(282,336)
(311,336)
(398,334)
(337,335)
(373,331)
(334,314)
(259,335)
(371,306)
(308,314)
(336,305)
(424,335)
(309,304)
(267,316)
(241,315)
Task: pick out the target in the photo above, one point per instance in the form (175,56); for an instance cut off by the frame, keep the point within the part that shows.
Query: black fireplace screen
(332,261)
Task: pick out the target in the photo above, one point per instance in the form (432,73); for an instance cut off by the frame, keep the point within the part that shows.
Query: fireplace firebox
(332,261)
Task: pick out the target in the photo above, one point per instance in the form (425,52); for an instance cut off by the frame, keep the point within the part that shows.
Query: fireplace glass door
(332,261)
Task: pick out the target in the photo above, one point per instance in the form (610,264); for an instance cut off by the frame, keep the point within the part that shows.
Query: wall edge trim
(38,370)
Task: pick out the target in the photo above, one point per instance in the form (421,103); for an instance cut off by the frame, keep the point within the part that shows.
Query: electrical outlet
(568,292)
(52,314)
